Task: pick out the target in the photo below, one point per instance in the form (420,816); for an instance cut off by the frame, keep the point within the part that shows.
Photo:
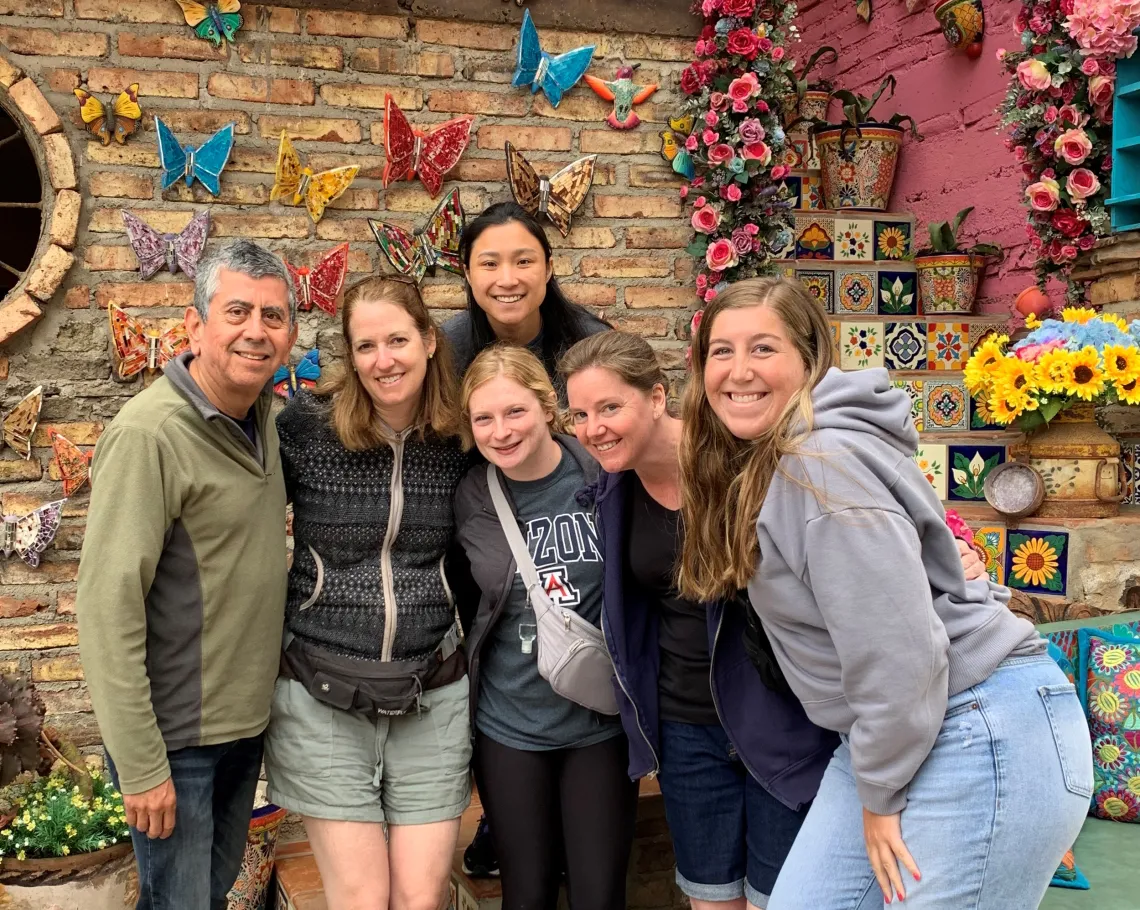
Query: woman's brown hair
(724,479)
(352,414)
(624,354)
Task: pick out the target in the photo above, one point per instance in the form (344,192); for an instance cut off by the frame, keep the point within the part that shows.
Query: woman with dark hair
(512,294)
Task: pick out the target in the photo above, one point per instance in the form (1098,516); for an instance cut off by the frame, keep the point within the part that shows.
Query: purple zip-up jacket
(784,751)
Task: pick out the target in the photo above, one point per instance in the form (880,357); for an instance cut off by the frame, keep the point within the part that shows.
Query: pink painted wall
(962,160)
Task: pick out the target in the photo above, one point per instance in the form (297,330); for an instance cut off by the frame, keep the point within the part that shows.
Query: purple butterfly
(176,251)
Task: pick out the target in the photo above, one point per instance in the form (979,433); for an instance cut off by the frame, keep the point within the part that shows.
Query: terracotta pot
(948,282)
(103,880)
(859,172)
(1079,464)
(1033,300)
(963,22)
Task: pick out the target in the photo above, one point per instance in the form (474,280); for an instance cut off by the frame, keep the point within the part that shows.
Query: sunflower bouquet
(1084,356)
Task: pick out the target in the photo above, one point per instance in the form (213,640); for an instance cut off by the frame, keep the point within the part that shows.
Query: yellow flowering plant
(1084,356)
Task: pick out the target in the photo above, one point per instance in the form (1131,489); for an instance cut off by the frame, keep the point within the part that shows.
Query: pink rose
(705,220)
(710,294)
(762,106)
(757,151)
(720,153)
(1068,251)
(780,171)
(752,229)
(1081,184)
(721,255)
(732,192)
(711,118)
(751,130)
(708,137)
(742,241)
(765,44)
(718,100)
(778,54)
(1043,195)
(740,107)
(691,143)
(1087,242)
(701,200)
(743,87)
(1090,66)
(702,281)
(1073,145)
(1032,352)
(1019,152)
(684,191)
(1034,75)
(1100,90)
(1071,115)
(1050,115)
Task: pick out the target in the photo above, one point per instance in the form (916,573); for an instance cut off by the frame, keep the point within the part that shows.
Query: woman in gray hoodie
(964,764)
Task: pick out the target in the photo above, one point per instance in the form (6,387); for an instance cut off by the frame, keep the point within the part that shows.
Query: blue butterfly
(289,380)
(204,163)
(538,69)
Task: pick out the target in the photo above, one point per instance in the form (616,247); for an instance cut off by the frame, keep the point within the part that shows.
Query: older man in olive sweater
(182,583)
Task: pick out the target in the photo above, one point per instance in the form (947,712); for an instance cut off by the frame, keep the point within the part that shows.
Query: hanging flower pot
(857,165)
(963,23)
(948,274)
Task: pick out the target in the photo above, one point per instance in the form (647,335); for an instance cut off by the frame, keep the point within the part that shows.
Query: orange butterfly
(20,425)
(140,345)
(74,463)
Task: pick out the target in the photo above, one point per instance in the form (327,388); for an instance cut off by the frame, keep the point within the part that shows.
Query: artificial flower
(743,87)
(705,219)
(751,130)
(739,9)
(1085,379)
(744,43)
(1044,195)
(1073,146)
(1078,314)
(720,153)
(757,151)
(982,367)
(1101,89)
(721,255)
(1082,183)
(1069,222)
(1014,376)
(1034,75)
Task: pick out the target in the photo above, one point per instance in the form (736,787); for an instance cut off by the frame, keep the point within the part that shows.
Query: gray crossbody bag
(572,653)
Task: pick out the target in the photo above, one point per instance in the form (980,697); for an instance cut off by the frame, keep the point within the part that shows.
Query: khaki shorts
(407,770)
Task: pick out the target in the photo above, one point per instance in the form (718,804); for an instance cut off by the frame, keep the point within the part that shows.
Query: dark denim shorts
(729,834)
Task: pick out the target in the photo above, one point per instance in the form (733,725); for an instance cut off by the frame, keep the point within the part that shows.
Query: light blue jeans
(990,813)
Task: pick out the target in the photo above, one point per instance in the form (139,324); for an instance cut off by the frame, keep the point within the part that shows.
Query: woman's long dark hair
(563,322)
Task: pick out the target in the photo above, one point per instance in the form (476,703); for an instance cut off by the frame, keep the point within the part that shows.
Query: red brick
(33,638)
(129,11)
(657,238)
(13,607)
(311,128)
(238,88)
(43,42)
(45,8)
(16,314)
(594,295)
(98,258)
(63,81)
(310,56)
(371,166)
(465,34)
(81,432)
(253,161)
(399,61)
(231,193)
(48,273)
(200,121)
(272,227)
(357,199)
(502,104)
(354,230)
(176,46)
(356,25)
(625,267)
(538,138)
(152,83)
(582,106)
(130,154)
(67,701)
(479,170)
(583,238)
(9,74)
(292,91)
(655,47)
(654,178)
(637,206)
(13,470)
(611,142)
(77,298)
(347,94)
(120,185)
(138,294)
(646,326)
(65,604)
(444,296)
(412,197)
(110,220)
(648,297)
(33,105)
(60,162)
(58,669)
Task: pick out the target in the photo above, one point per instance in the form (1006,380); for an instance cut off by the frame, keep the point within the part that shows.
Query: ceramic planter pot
(248,892)
(812,106)
(963,22)
(103,880)
(948,283)
(857,168)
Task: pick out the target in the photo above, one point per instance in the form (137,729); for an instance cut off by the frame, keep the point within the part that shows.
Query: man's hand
(971,562)
(152,812)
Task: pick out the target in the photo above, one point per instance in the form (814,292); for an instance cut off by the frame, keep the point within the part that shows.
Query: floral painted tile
(946,407)
(913,388)
(948,345)
(1037,561)
(855,292)
(815,237)
(861,345)
(854,241)
(811,193)
(897,295)
(905,346)
(969,468)
(820,284)
(931,460)
(980,417)
(892,239)
(791,157)
(992,542)
(793,186)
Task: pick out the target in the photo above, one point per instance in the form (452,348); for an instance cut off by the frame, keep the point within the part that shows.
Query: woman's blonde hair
(624,354)
(724,479)
(520,366)
(352,414)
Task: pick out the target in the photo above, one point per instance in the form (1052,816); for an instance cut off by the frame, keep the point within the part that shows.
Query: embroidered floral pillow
(1110,666)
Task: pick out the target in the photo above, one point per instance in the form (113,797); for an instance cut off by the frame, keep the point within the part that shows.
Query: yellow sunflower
(1007,405)
(984,364)
(1084,376)
(1032,322)
(892,243)
(1078,314)
(1115,320)
(1034,562)
(1122,367)
(1052,369)
(1015,375)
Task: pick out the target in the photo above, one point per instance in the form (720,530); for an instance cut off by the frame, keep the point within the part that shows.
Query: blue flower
(724,26)
(736,165)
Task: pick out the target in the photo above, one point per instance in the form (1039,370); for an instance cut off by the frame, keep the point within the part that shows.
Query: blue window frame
(1124,204)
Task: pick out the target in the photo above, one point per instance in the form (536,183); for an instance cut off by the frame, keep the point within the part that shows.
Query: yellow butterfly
(673,145)
(215,20)
(124,117)
(317,190)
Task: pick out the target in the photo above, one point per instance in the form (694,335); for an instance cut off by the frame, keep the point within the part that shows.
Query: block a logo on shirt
(558,587)
(556,543)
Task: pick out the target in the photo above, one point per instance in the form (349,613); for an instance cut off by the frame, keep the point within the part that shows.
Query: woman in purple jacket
(737,758)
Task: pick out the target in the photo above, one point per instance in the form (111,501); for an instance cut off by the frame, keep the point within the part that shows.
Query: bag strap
(514,536)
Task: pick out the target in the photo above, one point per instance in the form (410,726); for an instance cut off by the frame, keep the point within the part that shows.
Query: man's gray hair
(246,258)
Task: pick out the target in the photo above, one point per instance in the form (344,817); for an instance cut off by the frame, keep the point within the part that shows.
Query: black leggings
(541,803)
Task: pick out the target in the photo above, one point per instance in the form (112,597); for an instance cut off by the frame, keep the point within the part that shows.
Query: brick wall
(322,77)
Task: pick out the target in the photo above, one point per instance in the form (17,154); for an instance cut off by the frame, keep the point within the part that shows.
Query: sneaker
(479,860)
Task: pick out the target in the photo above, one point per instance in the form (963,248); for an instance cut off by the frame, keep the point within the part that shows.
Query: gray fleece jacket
(861,589)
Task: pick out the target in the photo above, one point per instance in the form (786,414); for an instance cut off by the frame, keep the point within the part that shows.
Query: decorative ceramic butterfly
(74,463)
(20,424)
(436,243)
(29,535)
(204,163)
(673,146)
(322,283)
(538,69)
(557,197)
(175,251)
(427,154)
(215,21)
(317,190)
(120,123)
(289,380)
(140,345)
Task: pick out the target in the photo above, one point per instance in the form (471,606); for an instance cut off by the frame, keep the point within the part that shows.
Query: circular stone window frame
(60,200)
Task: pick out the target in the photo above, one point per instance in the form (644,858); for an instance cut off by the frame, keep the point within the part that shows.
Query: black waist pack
(372,687)
(758,648)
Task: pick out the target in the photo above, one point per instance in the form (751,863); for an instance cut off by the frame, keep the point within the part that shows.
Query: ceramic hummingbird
(624,94)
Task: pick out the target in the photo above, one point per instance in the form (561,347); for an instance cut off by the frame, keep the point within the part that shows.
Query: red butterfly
(322,283)
(74,463)
(427,154)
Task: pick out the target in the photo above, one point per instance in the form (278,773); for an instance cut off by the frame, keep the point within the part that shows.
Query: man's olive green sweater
(183,577)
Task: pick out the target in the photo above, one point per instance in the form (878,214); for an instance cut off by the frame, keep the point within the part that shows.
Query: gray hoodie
(861,589)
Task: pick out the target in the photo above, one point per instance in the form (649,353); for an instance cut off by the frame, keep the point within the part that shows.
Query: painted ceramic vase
(963,22)
(859,172)
(1079,464)
(812,106)
(249,891)
(948,283)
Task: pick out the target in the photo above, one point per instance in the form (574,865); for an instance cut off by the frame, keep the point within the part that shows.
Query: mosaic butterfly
(436,243)
(20,425)
(321,284)
(557,197)
(673,146)
(119,123)
(204,163)
(427,154)
(176,251)
(74,464)
(216,21)
(317,190)
(538,69)
(29,535)
(140,345)
(289,379)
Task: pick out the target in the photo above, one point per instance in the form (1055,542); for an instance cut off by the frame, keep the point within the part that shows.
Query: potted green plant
(858,157)
(948,271)
(812,97)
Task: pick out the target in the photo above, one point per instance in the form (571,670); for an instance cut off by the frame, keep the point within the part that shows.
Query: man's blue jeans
(196,866)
